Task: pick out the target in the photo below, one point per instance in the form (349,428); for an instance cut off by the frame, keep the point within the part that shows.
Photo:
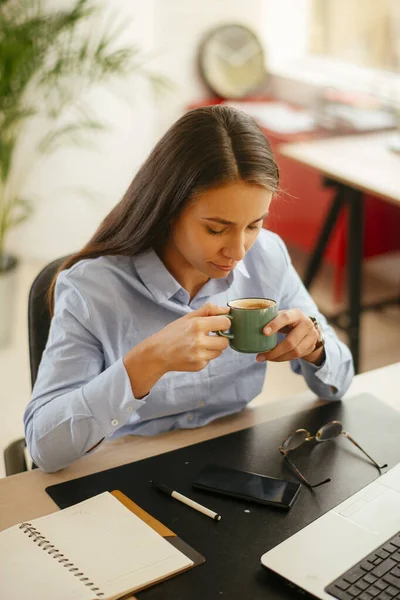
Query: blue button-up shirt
(107,305)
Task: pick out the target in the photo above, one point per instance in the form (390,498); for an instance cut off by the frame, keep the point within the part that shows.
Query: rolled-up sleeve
(332,379)
(76,402)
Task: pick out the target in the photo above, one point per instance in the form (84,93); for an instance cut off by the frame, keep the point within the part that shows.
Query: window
(362,32)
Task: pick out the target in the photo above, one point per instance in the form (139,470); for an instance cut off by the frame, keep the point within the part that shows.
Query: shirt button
(129,409)
(114,422)
(190,417)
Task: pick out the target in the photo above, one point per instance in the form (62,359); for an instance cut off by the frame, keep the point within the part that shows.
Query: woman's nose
(236,249)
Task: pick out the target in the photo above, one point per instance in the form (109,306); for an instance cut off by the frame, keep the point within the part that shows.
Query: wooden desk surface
(23,496)
(363,162)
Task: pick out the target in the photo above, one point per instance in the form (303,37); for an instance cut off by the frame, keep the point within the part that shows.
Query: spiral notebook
(102,548)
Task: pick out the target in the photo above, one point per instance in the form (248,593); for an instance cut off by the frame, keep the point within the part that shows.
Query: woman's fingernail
(267,330)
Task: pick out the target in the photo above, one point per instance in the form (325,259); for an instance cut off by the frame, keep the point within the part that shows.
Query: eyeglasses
(327,432)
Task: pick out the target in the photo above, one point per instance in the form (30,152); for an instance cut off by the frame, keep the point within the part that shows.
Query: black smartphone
(248,486)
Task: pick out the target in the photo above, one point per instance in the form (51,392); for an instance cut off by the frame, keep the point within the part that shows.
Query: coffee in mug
(249,316)
(251,303)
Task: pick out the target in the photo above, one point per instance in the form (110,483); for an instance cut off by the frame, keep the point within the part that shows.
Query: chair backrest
(39,315)
(38,332)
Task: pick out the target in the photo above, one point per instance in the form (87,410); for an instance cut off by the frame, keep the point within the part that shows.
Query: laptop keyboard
(376,577)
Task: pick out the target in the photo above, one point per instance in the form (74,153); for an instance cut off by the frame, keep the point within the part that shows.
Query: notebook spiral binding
(53,551)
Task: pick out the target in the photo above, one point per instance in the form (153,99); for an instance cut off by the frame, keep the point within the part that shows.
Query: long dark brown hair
(206,148)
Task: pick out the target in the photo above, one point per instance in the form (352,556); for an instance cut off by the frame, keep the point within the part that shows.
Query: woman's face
(216,230)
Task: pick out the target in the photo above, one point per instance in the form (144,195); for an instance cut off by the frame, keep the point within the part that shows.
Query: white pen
(170,492)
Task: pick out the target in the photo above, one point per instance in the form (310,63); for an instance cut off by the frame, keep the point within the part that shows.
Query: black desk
(233,547)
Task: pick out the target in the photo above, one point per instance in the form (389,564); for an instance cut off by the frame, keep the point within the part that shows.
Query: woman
(129,348)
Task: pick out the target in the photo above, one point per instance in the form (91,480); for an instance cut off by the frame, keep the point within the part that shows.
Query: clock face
(232,61)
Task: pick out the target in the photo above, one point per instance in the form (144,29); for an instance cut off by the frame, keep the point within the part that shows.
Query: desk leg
(320,247)
(355,246)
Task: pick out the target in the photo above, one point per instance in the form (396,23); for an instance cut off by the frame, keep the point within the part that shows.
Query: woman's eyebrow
(225,222)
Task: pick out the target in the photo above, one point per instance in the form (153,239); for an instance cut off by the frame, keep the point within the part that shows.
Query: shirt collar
(163,286)
(241,268)
(155,276)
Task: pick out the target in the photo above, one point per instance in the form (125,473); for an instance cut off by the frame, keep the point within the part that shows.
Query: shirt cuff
(328,373)
(110,399)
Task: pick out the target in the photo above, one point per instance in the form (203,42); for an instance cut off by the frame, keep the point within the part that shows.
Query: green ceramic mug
(249,317)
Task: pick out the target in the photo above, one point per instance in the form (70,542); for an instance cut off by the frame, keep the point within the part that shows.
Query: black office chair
(38,330)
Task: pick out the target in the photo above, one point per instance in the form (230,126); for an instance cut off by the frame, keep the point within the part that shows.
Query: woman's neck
(190,279)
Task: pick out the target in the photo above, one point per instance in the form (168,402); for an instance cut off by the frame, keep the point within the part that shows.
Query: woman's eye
(214,232)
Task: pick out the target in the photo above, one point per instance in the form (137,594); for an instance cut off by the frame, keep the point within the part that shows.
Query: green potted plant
(46,60)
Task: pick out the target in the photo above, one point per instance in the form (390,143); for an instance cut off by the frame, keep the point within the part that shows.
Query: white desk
(364,162)
(353,165)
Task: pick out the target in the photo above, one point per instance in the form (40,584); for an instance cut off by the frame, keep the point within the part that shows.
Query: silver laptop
(350,552)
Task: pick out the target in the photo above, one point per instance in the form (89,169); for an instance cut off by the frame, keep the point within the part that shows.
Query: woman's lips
(223,267)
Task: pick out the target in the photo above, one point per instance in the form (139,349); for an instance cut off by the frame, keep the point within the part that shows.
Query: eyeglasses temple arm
(363,451)
(300,475)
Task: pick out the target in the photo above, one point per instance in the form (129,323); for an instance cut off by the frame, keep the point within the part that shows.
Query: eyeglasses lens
(329,431)
(295,440)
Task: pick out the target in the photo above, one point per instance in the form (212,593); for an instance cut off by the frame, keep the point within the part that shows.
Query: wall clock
(231,61)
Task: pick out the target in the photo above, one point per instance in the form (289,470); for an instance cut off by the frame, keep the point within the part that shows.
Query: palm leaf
(22,209)
(51,57)
(72,132)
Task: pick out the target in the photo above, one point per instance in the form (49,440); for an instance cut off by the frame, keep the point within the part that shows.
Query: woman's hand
(301,338)
(183,345)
